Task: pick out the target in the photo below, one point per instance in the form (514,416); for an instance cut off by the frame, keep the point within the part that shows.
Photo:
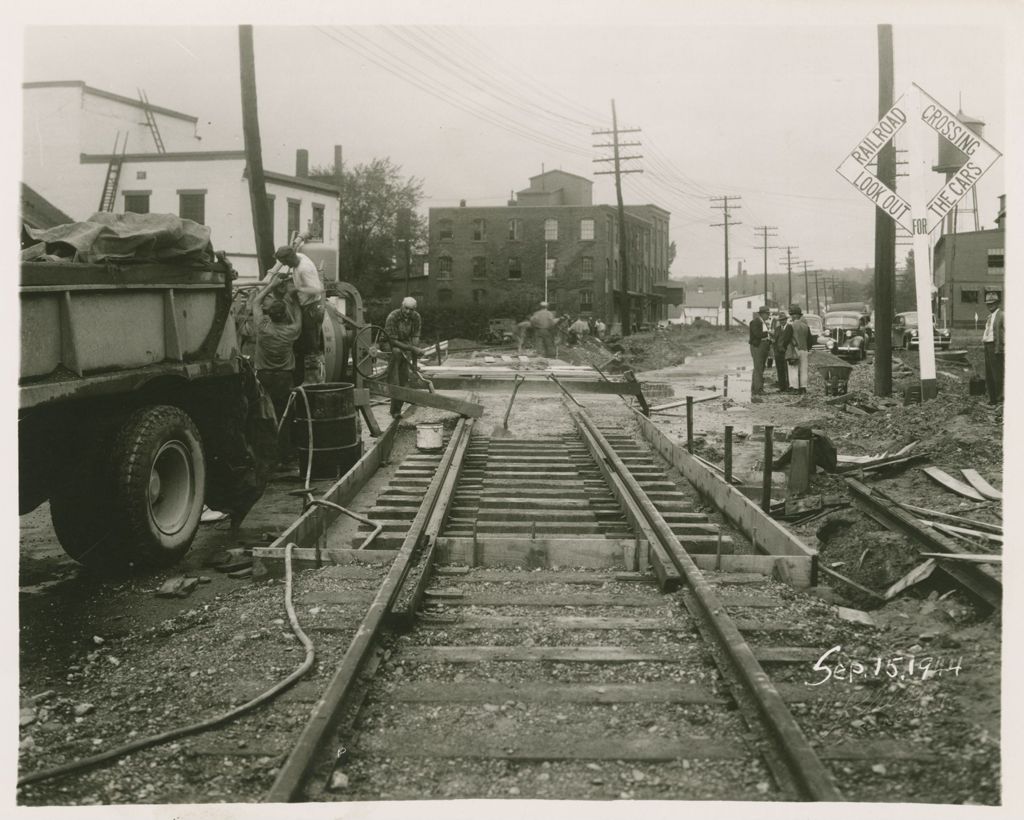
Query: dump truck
(134,406)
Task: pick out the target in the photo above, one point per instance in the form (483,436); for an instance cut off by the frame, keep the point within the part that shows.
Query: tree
(372,196)
(671,252)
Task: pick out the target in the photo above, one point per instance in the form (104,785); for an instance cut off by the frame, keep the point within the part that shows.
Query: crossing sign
(920,114)
(981,156)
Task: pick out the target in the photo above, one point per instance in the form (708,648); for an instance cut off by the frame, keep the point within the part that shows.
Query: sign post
(921,115)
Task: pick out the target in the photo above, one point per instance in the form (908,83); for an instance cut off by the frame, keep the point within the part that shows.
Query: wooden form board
(596,553)
(422,397)
(766,533)
(311,527)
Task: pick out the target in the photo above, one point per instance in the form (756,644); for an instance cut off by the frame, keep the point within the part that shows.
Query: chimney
(339,163)
(462,203)
(302,163)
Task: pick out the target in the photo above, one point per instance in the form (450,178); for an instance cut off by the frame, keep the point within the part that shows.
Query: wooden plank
(537,576)
(964,556)
(425,399)
(310,527)
(744,514)
(562,745)
(593,553)
(568,622)
(917,574)
(951,529)
(542,692)
(944,479)
(528,654)
(959,520)
(877,750)
(798,566)
(981,485)
(271,559)
(567,599)
(786,654)
(801,468)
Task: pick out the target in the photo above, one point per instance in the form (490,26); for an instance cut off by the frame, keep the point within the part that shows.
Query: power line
(765,236)
(724,208)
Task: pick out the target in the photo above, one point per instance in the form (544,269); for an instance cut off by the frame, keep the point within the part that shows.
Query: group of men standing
(546,328)
(789,343)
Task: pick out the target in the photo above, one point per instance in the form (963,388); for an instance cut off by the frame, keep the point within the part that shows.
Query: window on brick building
(446,229)
(479,229)
(587,267)
(586,299)
(586,229)
(996,260)
(550,230)
(515,229)
(515,268)
(969,296)
(444,267)
(479,267)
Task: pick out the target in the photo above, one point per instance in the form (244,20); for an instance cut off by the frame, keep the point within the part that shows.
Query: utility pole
(725,223)
(261,226)
(817,295)
(625,314)
(885,228)
(807,287)
(789,268)
(764,247)
(339,178)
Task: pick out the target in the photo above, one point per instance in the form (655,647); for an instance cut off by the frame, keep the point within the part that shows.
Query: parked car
(905,332)
(845,329)
(817,328)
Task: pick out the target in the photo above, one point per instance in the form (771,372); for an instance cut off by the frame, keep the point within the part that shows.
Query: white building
(744,307)
(71,132)
(706,305)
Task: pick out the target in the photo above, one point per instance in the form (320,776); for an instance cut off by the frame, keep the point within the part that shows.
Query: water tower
(951,160)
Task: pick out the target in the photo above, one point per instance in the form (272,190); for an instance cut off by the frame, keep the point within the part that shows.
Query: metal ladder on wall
(151,122)
(113,177)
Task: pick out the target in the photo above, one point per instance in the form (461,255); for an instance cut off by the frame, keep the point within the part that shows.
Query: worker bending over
(403,329)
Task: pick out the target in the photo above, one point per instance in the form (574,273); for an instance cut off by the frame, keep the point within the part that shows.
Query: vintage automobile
(818,331)
(905,332)
(844,328)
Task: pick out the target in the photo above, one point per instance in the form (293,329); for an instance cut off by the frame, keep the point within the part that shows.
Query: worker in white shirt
(310,291)
(994,340)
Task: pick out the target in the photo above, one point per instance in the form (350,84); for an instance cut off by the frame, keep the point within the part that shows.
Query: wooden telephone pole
(625,314)
(789,269)
(765,247)
(261,226)
(885,228)
(725,223)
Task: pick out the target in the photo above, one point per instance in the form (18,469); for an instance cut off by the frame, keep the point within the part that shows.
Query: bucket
(337,435)
(429,436)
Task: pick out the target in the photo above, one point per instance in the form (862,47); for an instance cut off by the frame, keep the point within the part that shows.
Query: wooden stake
(728,453)
(689,424)
(769,458)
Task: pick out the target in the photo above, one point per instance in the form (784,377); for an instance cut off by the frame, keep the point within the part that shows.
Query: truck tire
(160,474)
(83,515)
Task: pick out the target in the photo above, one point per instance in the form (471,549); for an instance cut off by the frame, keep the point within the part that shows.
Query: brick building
(497,255)
(968,265)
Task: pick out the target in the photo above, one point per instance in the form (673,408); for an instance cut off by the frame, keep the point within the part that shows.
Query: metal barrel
(336,443)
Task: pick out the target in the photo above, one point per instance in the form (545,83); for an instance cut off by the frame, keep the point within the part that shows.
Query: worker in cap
(403,329)
(759,347)
(796,339)
(994,340)
(544,323)
(300,270)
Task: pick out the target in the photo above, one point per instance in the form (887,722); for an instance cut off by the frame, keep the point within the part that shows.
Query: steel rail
(291,780)
(808,774)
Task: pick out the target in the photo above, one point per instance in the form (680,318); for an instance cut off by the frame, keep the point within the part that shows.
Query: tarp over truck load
(123,238)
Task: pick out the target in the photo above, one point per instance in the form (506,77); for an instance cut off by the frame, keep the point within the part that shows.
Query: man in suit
(779,352)
(994,340)
(796,339)
(759,345)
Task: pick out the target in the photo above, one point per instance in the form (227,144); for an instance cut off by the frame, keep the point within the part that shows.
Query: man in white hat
(544,322)
(994,339)
(403,329)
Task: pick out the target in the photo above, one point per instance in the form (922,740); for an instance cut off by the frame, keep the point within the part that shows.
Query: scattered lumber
(935,515)
(916,575)
(965,556)
(880,463)
(982,486)
(950,529)
(850,582)
(406,394)
(951,484)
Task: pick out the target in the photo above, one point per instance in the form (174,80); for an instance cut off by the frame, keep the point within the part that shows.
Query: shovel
(501,431)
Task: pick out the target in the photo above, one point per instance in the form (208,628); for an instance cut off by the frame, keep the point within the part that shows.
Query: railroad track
(539,627)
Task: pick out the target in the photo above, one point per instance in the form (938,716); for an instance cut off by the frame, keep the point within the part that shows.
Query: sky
(762,111)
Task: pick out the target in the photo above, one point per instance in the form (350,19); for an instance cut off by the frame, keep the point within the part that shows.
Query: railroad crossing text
(887,127)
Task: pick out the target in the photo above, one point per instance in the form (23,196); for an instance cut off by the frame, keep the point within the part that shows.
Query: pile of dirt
(671,347)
